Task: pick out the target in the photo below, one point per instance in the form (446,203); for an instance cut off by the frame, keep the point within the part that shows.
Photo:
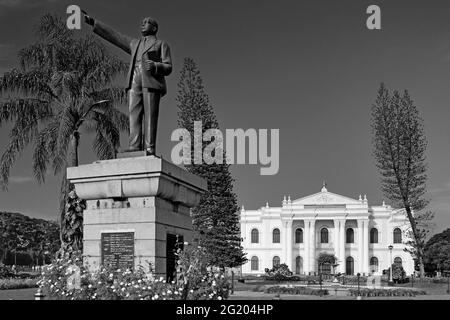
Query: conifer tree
(399,145)
(215,219)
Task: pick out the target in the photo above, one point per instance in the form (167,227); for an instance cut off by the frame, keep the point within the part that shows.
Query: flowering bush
(198,281)
(109,284)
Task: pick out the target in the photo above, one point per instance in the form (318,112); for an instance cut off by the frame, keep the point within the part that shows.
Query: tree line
(27,241)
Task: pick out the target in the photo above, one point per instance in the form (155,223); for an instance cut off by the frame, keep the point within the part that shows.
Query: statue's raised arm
(109,34)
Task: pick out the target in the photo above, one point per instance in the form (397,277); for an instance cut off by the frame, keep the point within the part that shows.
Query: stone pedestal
(145,198)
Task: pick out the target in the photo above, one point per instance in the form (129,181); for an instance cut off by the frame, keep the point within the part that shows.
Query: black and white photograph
(242,152)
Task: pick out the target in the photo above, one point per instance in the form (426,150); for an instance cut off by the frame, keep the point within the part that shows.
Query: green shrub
(18,283)
(398,292)
(279,270)
(353,280)
(5,272)
(296,290)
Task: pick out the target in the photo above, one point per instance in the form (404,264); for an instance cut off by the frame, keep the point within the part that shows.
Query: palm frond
(34,82)
(117,95)
(45,149)
(24,109)
(53,29)
(107,139)
(22,133)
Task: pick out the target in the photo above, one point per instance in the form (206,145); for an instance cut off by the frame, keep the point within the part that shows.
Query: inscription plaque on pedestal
(118,250)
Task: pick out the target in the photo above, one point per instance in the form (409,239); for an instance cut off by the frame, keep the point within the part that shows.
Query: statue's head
(149,26)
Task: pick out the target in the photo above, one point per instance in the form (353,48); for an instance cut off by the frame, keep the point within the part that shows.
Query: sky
(308,68)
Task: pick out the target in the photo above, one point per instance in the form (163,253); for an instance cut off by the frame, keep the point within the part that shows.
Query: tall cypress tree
(216,218)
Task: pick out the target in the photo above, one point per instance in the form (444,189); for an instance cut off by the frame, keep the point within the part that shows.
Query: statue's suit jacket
(160,49)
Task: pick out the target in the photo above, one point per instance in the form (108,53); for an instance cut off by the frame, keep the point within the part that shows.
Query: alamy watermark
(236,141)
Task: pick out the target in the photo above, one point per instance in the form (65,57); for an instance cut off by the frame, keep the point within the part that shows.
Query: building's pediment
(325,198)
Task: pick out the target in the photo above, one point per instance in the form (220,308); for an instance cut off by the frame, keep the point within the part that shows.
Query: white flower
(111,275)
(156,296)
(90,286)
(123,289)
(219,298)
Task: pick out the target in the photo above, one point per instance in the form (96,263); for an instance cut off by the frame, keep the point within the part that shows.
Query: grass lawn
(18,294)
(429,287)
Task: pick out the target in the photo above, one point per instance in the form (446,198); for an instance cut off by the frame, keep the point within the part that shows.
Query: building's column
(312,244)
(284,241)
(306,238)
(360,262)
(366,247)
(289,246)
(342,245)
(336,240)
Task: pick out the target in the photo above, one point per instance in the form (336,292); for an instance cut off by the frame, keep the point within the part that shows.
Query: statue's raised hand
(89,20)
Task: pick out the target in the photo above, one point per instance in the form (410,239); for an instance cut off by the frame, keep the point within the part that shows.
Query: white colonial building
(296,233)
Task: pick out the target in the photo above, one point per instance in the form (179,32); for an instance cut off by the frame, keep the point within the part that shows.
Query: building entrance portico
(310,237)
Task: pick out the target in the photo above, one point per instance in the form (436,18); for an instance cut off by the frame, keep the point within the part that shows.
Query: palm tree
(65,84)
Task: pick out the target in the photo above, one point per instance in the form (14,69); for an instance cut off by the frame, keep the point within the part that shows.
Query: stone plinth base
(145,197)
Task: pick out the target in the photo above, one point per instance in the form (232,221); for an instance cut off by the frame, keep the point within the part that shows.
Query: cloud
(20,179)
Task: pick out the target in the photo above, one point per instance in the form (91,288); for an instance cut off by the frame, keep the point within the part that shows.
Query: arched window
(276,261)
(255,236)
(350,235)
(298,235)
(373,235)
(298,265)
(349,266)
(276,236)
(397,235)
(324,235)
(374,264)
(254,263)
(398,261)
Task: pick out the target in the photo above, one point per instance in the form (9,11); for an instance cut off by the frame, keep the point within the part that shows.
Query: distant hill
(27,240)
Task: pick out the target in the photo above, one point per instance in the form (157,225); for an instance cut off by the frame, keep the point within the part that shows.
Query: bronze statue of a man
(150,63)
